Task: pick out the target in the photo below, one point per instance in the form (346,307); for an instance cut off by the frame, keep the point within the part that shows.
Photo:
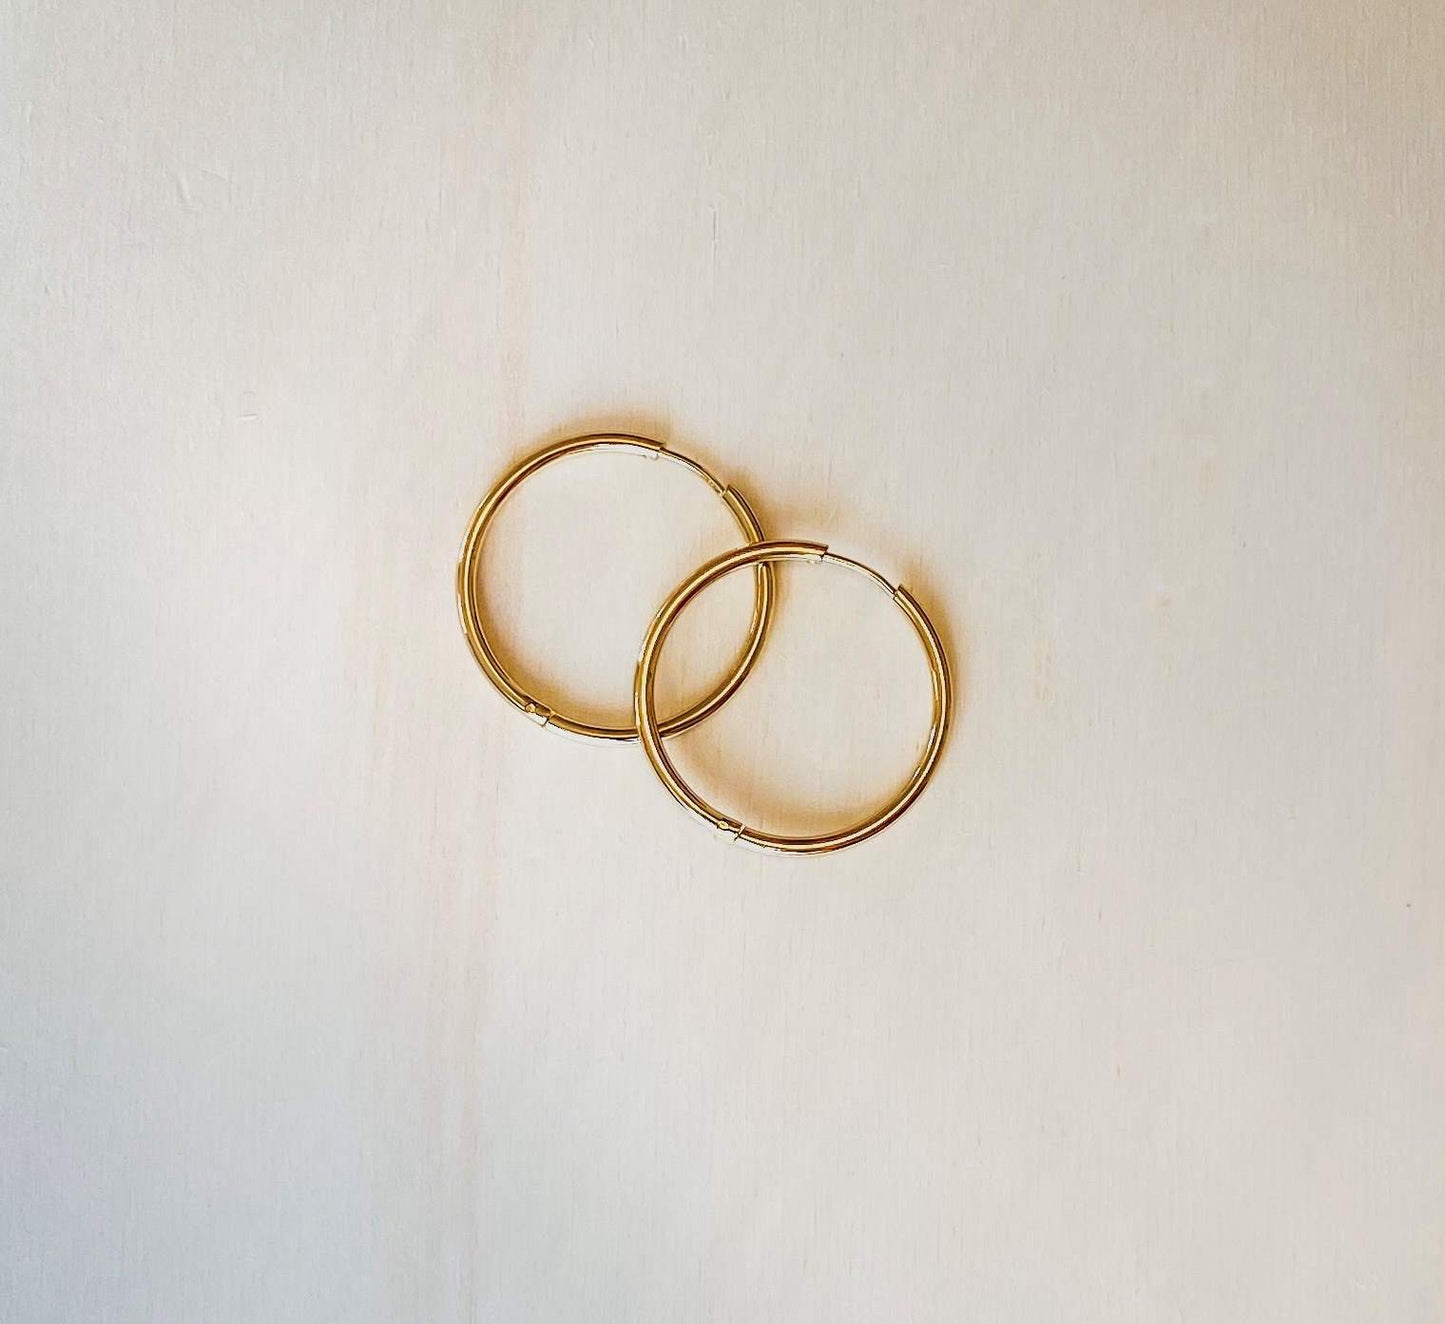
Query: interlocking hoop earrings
(760,556)
(768,553)
(474,622)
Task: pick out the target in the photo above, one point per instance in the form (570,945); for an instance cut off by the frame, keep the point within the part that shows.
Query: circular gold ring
(764,554)
(476,631)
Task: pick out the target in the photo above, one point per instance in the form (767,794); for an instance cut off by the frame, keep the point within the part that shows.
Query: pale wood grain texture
(330,990)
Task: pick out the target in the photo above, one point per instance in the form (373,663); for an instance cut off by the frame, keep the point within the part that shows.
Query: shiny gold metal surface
(762,555)
(474,622)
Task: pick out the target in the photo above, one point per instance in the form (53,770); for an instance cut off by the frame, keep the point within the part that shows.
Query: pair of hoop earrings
(758,554)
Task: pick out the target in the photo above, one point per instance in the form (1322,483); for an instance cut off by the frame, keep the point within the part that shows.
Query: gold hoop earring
(474,626)
(762,555)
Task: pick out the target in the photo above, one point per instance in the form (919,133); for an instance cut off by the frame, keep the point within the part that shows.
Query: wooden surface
(332,990)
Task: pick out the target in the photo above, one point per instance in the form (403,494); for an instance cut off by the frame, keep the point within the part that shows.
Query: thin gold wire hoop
(765,554)
(474,626)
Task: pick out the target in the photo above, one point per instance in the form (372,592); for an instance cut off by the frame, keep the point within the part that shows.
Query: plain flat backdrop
(330,989)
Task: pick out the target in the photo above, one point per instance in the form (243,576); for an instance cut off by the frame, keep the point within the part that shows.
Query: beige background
(331,990)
